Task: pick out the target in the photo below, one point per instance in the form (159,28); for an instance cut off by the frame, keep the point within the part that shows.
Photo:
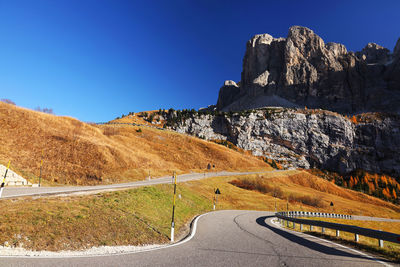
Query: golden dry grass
(79,153)
(138,118)
(296,184)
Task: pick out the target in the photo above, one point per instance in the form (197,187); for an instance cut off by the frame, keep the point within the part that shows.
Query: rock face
(301,70)
(307,138)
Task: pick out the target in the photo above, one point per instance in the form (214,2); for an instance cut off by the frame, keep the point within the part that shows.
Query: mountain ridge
(302,70)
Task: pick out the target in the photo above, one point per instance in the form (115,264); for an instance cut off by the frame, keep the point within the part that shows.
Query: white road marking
(334,243)
(65,254)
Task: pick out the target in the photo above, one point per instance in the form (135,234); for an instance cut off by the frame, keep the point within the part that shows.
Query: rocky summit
(307,138)
(302,70)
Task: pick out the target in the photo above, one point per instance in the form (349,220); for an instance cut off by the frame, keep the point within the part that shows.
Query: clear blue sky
(95,60)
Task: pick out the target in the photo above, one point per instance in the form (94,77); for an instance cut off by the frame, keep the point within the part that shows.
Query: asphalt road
(13,192)
(227,238)
(377,219)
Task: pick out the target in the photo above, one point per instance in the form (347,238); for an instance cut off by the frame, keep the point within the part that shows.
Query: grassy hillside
(142,215)
(79,153)
(151,118)
(304,191)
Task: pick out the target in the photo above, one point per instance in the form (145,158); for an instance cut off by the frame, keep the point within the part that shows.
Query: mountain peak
(304,71)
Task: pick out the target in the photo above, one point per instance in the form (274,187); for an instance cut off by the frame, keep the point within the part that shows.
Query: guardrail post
(367,232)
(356,237)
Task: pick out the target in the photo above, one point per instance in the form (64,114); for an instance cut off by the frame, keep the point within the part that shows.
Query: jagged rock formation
(307,138)
(301,70)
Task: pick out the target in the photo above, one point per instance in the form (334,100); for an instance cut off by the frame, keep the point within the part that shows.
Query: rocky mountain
(306,138)
(302,70)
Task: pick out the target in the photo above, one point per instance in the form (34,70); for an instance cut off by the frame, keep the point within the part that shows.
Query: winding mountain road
(14,192)
(227,238)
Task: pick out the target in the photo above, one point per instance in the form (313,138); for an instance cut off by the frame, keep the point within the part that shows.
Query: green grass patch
(132,217)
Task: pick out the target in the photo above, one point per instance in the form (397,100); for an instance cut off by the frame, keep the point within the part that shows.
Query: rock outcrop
(307,138)
(302,70)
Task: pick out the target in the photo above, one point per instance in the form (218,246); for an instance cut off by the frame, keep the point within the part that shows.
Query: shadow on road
(306,243)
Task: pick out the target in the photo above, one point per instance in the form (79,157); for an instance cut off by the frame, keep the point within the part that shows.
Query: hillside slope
(78,153)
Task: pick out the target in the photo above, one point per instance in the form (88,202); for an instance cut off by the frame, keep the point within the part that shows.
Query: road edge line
(193,229)
(331,242)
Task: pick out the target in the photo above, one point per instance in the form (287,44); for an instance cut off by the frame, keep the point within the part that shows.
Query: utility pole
(173,210)
(4,178)
(41,164)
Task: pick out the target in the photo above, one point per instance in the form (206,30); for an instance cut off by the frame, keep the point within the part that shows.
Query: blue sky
(95,60)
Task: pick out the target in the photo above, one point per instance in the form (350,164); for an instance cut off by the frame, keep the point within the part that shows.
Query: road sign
(215,198)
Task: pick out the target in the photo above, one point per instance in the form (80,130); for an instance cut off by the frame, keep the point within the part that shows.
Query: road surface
(227,238)
(13,192)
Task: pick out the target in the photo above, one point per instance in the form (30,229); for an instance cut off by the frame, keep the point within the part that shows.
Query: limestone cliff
(307,138)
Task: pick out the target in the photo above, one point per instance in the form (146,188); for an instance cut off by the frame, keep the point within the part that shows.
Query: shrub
(109,131)
(260,186)
(45,110)
(150,118)
(8,101)
(310,201)
(275,191)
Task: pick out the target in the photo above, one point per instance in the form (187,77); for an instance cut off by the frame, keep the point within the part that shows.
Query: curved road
(14,192)
(227,238)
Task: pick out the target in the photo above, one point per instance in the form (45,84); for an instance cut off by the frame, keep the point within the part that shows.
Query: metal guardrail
(291,217)
(316,214)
